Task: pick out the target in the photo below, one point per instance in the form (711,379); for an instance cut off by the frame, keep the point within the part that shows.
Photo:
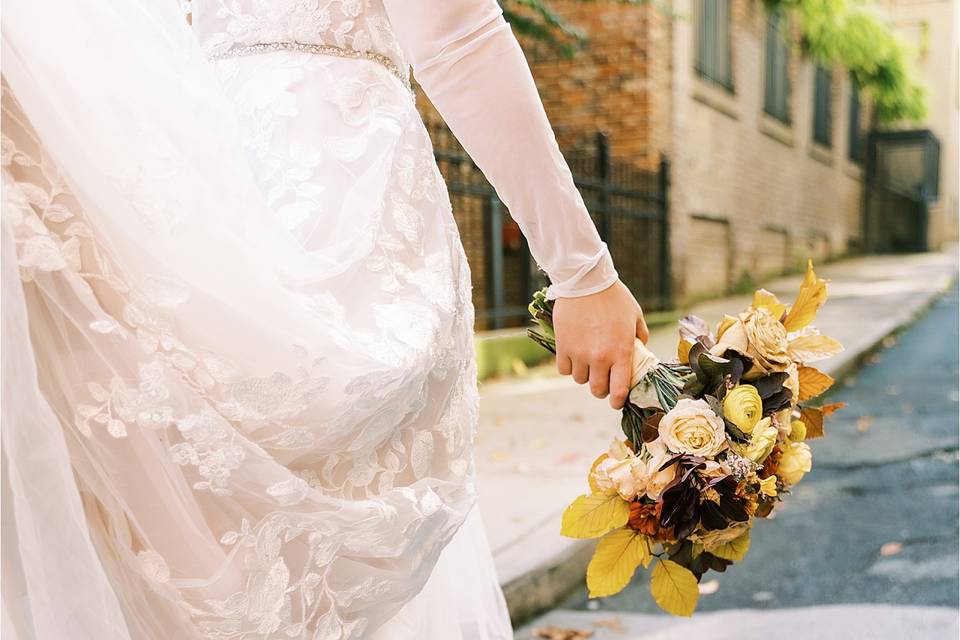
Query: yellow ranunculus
(743,407)
(796,461)
(768,486)
(762,439)
(798,431)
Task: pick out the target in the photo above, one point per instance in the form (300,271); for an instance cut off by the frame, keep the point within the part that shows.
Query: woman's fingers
(599,378)
(581,371)
(564,365)
(620,383)
(642,331)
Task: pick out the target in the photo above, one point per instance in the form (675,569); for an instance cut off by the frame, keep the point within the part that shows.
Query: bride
(239,389)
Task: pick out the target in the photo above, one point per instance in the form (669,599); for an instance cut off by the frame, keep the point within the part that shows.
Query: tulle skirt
(250,337)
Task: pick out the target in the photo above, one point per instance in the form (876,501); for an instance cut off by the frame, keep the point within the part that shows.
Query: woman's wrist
(595,276)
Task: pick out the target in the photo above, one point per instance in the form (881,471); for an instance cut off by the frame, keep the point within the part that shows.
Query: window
(822,97)
(713,42)
(776,71)
(855,136)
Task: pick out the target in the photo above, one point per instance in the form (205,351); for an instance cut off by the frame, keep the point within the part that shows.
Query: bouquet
(711,442)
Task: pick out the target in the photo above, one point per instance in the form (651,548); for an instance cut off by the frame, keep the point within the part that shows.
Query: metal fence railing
(628,205)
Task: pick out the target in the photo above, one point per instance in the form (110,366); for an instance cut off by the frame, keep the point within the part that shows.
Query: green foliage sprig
(852,34)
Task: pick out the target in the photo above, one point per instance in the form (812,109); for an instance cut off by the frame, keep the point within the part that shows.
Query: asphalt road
(876,521)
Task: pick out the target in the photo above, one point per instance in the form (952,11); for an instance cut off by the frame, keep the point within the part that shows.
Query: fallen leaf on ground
(891,548)
(864,423)
(613,623)
(561,633)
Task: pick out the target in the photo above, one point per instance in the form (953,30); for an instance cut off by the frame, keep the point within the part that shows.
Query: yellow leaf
(593,483)
(674,588)
(766,300)
(812,348)
(813,293)
(593,515)
(734,550)
(683,351)
(727,322)
(813,382)
(618,555)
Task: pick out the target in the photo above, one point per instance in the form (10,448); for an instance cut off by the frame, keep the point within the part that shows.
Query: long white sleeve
(469,63)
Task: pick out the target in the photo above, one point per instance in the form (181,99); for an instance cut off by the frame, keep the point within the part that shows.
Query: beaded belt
(319,49)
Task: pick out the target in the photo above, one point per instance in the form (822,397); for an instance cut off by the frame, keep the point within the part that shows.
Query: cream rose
(621,470)
(796,461)
(656,480)
(757,334)
(692,427)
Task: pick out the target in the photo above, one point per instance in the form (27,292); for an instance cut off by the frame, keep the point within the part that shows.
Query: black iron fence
(628,205)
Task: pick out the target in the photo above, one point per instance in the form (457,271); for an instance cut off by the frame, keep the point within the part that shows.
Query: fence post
(603,174)
(666,278)
(496,259)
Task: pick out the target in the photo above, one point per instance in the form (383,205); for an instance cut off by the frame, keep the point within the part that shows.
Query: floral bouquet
(712,442)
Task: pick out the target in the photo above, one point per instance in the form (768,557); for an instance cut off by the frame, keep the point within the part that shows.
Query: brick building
(765,146)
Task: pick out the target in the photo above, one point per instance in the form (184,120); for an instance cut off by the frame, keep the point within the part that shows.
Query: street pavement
(874,523)
(540,432)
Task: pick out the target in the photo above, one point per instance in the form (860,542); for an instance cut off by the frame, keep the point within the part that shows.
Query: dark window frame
(823,105)
(776,70)
(713,59)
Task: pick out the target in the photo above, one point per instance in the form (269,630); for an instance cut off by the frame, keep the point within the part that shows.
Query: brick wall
(782,197)
(749,195)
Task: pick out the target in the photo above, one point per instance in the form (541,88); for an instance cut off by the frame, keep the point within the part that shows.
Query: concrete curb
(825,622)
(543,586)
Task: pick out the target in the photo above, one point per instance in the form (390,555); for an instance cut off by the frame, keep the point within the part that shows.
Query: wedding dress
(239,394)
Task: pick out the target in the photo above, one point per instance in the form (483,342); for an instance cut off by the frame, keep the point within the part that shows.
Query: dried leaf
(813,418)
(891,548)
(674,588)
(615,560)
(561,633)
(591,516)
(811,348)
(813,382)
(593,467)
(813,293)
(693,328)
(764,299)
(734,550)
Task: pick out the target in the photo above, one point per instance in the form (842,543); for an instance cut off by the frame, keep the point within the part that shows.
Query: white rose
(692,427)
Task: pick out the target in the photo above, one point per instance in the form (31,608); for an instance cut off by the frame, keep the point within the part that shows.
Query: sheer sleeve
(469,63)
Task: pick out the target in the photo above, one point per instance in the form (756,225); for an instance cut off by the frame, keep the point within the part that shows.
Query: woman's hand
(595,336)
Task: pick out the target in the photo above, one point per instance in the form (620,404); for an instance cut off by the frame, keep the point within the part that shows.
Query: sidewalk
(833,622)
(539,433)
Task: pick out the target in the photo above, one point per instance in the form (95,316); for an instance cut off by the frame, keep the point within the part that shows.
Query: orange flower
(771,463)
(645,518)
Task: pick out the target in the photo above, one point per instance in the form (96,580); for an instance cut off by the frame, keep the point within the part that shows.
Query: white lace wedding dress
(238,319)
